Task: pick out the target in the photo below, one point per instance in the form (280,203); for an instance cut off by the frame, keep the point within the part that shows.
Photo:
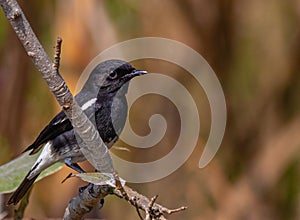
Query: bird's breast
(110,119)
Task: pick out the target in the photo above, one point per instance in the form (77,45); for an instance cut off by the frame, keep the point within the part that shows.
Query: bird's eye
(113,75)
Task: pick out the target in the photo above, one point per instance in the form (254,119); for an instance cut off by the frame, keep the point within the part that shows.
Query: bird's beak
(135,73)
(138,73)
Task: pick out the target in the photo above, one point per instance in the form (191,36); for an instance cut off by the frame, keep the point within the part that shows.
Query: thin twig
(171,211)
(141,202)
(151,203)
(137,208)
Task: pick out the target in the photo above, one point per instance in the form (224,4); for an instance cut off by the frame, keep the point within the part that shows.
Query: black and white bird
(103,100)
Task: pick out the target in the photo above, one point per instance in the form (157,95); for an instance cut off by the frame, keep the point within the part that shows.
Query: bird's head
(109,76)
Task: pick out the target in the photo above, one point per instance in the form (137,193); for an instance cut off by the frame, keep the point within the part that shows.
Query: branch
(89,196)
(94,148)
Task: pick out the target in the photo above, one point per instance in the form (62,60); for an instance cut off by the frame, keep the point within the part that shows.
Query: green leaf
(100,178)
(13,172)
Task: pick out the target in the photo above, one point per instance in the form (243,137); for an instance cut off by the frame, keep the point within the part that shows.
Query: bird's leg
(73,166)
(101,203)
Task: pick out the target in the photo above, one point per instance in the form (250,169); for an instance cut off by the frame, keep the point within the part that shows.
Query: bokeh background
(254,48)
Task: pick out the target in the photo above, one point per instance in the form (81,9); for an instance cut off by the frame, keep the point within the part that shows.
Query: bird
(103,100)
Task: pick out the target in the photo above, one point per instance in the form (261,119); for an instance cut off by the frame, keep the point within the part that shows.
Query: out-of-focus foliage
(254,48)
(13,172)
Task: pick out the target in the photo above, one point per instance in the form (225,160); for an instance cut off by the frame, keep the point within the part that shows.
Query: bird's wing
(58,125)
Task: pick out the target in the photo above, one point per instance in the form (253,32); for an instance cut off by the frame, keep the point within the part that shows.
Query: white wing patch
(60,121)
(88,104)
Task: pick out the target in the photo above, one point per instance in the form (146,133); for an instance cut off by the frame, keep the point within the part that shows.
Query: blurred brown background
(253,46)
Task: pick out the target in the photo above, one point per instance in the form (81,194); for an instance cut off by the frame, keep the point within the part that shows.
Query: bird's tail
(22,189)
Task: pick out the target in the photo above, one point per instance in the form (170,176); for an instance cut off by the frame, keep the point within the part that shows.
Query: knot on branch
(16,13)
